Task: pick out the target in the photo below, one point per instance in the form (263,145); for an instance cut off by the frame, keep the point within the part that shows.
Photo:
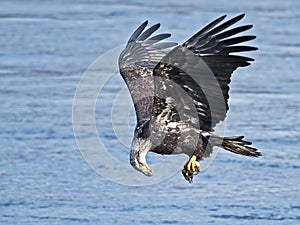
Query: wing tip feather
(138,31)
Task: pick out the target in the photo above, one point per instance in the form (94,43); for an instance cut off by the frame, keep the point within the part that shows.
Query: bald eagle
(180,92)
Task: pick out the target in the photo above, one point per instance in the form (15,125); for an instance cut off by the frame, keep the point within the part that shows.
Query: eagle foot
(190,169)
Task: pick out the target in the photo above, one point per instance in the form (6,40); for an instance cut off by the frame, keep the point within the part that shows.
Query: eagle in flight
(180,92)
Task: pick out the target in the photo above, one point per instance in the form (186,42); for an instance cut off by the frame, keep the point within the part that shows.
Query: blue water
(45,46)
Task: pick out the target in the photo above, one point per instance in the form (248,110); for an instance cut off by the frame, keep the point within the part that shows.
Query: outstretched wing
(136,63)
(202,67)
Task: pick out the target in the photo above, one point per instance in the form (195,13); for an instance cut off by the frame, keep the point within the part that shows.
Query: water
(44,49)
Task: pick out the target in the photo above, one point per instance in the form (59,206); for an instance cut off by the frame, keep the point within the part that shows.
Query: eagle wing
(201,67)
(136,63)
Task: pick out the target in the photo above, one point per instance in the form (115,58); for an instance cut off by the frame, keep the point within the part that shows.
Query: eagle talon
(187,176)
(190,169)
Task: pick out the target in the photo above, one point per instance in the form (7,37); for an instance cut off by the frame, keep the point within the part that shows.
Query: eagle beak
(138,161)
(146,170)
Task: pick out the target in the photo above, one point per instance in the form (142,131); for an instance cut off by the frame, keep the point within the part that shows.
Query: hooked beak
(138,161)
(146,170)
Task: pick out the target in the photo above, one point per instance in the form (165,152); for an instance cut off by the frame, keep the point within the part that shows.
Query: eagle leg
(191,168)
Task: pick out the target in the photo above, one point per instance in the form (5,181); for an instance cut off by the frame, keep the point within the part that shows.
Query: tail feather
(239,146)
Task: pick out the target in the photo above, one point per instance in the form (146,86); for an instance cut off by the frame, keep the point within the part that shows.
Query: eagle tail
(239,146)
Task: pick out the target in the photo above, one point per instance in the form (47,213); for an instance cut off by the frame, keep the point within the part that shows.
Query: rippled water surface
(45,46)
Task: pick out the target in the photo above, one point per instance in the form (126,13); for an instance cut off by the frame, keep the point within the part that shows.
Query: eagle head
(140,146)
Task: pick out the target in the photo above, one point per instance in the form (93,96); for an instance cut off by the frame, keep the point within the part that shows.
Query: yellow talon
(191,168)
